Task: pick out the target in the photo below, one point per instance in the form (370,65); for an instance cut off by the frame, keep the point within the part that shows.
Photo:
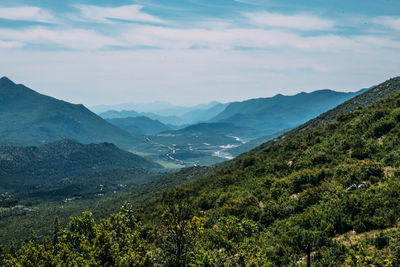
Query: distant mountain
(114,114)
(140,107)
(366,98)
(28,168)
(227,129)
(270,115)
(180,111)
(30,118)
(158,108)
(176,116)
(139,125)
(201,115)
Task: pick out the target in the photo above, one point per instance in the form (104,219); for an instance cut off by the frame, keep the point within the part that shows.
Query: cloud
(391,22)
(232,38)
(26,13)
(106,14)
(296,22)
(66,38)
(136,36)
(12,44)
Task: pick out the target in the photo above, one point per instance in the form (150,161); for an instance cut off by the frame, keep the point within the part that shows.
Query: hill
(205,114)
(156,108)
(227,129)
(139,125)
(30,170)
(114,114)
(365,99)
(30,118)
(299,198)
(174,116)
(271,115)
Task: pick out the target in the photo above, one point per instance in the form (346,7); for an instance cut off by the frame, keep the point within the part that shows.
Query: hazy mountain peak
(30,118)
(6,81)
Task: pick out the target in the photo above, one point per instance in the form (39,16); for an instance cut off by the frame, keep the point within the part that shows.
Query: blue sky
(195,51)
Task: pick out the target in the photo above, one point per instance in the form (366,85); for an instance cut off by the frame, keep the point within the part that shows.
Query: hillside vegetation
(296,200)
(67,168)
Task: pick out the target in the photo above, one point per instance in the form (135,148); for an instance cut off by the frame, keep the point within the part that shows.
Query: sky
(188,52)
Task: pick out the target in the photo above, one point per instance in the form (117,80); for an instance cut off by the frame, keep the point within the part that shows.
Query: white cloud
(231,38)
(67,38)
(391,22)
(175,38)
(296,22)
(12,44)
(26,13)
(106,14)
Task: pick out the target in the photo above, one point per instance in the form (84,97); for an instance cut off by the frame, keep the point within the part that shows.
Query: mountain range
(140,125)
(173,117)
(215,132)
(67,164)
(30,118)
(271,115)
(158,108)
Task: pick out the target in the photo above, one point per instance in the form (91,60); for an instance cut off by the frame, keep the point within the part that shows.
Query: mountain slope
(274,114)
(365,99)
(28,168)
(113,114)
(201,115)
(227,129)
(139,125)
(193,114)
(30,118)
(156,108)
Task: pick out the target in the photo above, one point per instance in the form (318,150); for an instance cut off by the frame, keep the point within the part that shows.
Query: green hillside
(30,118)
(67,168)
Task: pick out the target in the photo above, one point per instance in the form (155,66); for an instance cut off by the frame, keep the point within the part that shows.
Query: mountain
(140,107)
(227,129)
(30,118)
(365,99)
(157,108)
(325,196)
(178,116)
(31,168)
(247,146)
(181,111)
(139,125)
(113,114)
(201,115)
(271,115)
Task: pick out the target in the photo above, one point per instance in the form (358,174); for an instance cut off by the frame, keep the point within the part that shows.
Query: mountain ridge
(27,168)
(273,114)
(30,118)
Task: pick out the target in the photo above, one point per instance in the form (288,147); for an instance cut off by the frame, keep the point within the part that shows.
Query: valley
(295,185)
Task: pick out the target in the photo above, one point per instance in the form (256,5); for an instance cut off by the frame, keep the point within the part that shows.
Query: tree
(179,229)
